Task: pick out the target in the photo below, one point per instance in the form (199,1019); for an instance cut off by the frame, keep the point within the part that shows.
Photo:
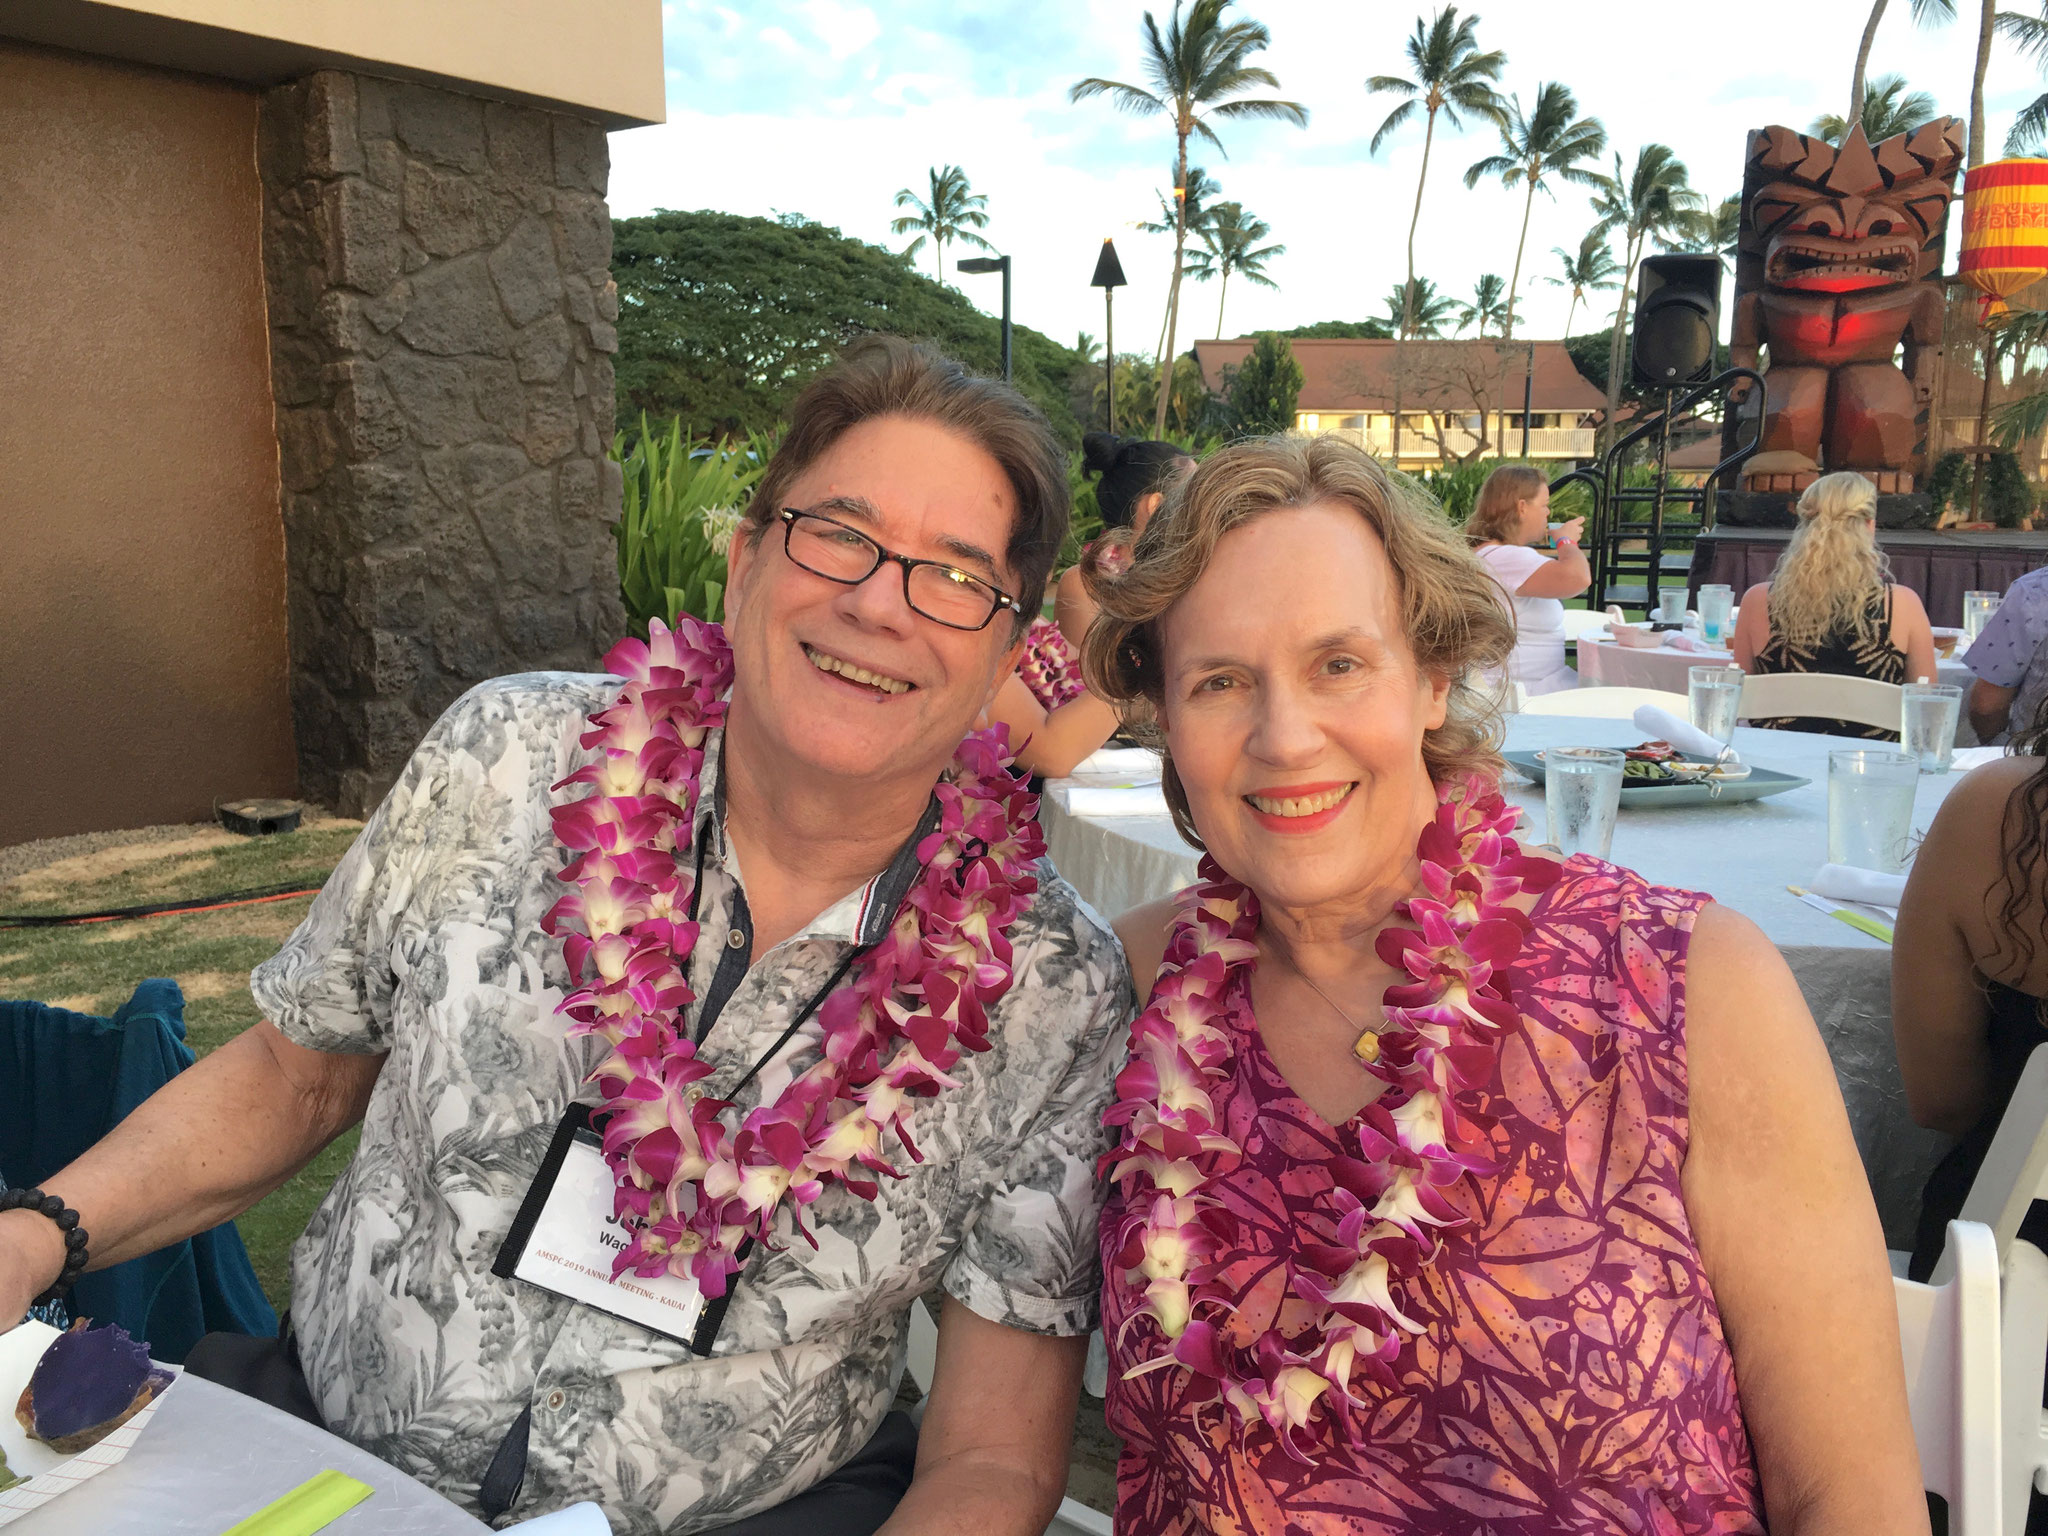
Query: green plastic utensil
(312,1506)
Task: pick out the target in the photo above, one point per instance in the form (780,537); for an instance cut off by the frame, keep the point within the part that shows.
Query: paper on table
(585,1519)
(1847,882)
(1112,800)
(1123,762)
(1665,726)
(48,1473)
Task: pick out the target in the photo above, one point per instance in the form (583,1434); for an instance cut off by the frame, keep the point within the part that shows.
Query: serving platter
(1757,784)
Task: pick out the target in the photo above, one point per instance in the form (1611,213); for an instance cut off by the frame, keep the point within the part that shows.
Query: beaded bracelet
(67,1223)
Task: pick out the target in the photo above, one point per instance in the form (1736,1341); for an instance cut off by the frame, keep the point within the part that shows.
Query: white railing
(1544,442)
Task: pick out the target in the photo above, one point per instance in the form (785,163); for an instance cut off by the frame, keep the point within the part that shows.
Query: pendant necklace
(1367,1046)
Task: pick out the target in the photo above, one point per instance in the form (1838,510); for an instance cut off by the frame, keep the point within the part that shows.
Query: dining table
(1605,662)
(210,1457)
(1745,854)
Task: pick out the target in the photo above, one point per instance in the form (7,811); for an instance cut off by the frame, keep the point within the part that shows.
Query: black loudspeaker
(1678,312)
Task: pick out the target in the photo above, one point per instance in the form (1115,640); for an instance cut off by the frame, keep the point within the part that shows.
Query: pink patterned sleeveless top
(1571,1375)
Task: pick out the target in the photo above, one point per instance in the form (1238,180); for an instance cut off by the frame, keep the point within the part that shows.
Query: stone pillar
(441,319)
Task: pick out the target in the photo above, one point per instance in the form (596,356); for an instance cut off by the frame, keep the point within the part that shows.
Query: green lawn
(93,968)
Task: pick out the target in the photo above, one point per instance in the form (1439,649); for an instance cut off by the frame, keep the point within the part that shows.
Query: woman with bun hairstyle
(1054,720)
(1830,606)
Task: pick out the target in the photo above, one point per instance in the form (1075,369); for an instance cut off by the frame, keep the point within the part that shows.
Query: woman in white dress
(1511,516)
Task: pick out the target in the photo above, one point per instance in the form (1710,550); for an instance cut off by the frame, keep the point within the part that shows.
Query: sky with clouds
(828,107)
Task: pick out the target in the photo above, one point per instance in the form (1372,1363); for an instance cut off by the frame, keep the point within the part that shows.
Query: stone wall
(441,313)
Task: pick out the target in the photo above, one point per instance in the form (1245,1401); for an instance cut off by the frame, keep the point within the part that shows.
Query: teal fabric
(66,1079)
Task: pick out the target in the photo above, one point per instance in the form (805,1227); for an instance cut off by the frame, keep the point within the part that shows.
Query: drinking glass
(1927,723)
(1870,808)
(1582,793)
(1717,603)
(1671,605)
(1713,695)
(1977,610)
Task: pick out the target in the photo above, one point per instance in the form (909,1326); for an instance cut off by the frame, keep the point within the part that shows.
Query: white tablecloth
(211,1457)
(1743,854)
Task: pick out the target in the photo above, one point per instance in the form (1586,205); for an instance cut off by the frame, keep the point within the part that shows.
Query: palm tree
(953,212)
(1550,141)
(2030,34)
(1189,201)
(1591,271)
(1648,202)
(1486,307)
(1888,108)
(1230,243)
(1198,70)
(1923,10)
(1708,231)
(1451,76)
(1419,308)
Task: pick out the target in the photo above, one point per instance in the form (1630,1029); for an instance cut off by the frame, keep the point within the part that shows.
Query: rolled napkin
(1846,882)
(585,1519)
(1112,799)
(1682,734)
(1121,762)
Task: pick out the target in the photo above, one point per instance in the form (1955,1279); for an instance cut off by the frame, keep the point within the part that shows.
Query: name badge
(565,1238)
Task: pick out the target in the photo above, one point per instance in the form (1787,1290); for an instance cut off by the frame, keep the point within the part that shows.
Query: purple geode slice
(89,1383)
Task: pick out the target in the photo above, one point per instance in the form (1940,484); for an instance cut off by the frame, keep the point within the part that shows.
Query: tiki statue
(1837,268)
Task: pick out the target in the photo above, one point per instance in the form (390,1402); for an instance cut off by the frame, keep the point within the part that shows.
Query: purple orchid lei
(1442,1030)
(688,1186)
(1048,666)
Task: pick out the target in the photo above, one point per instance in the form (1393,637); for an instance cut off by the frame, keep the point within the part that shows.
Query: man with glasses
(878,591)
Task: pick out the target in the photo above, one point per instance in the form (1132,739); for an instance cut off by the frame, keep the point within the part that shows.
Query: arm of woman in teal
(1780,1207)
(1052,744)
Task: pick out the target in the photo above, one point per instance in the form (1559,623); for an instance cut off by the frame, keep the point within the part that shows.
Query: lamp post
(996,264)
(1528,388)
(1109,276)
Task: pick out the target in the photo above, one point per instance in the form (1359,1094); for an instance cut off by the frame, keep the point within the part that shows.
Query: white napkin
(1112,800)
(585,1519)
(1846,882)
(1966,758)
(1665,726)
(1121,762)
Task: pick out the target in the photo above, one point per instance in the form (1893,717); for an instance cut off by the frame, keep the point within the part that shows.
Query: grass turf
(94,967)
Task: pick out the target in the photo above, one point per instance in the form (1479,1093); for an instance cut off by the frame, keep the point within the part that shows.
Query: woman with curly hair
(1454,1186)
(1831,606)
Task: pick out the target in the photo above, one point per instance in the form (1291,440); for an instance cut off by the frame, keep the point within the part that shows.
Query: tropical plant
(1707,231)
(1454,487)
(1342,330)
(1648,202)
(1230,244)
(1263,390)
(953,212)
(1190,201)
(1888,108)
(1415,308)
(1452,75)
(1198,70)
(1591,271)
(2004,497)
(1548,143)
(723,318)
(2030,34)
(683,499)
(1488,304)
(1923,11)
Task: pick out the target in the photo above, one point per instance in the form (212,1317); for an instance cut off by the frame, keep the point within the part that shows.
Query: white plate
(48,1474)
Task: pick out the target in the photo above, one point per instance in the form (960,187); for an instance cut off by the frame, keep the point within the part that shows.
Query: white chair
(2023,1340)
(1073,1518)
(1950,1337)
(1822,695)
(2010,1177)
(1600,703)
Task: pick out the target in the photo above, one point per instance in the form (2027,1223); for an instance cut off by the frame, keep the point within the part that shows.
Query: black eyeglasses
(946,595)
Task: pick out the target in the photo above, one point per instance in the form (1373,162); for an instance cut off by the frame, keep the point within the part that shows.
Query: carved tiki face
(1817,219)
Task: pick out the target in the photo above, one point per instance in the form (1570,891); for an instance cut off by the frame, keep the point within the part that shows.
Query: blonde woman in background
(1510,516)
(1830,606)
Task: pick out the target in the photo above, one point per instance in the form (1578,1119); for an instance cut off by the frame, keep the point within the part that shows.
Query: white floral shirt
(426,943)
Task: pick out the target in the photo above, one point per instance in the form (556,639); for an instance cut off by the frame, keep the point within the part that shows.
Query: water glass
(1927,723)
(1977,610)
(1671,605)
(1870,808)
(1717,605)
(1582,793)
(1713,695)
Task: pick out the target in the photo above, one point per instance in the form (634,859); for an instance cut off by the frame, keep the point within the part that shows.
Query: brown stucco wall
(142,616)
